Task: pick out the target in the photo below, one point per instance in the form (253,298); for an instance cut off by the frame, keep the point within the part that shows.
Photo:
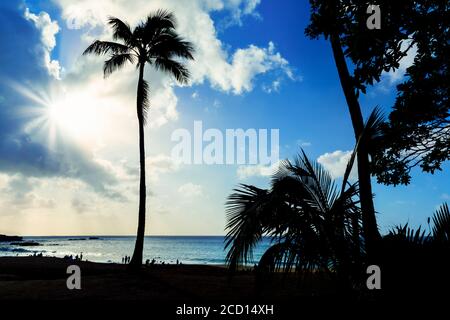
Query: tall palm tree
(156,42)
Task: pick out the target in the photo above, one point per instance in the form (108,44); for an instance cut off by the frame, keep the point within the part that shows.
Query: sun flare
(76,115)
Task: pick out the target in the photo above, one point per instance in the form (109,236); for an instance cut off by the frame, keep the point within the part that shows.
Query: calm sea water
(187,249)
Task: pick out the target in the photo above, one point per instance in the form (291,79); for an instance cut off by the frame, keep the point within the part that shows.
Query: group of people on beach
(76,258)
(127,259)
(153,262)
(36,254)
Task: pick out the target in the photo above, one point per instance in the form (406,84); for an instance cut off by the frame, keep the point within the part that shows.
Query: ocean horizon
(111,249)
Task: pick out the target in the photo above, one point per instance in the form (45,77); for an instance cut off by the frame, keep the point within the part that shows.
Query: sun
(76,115)
(58,115)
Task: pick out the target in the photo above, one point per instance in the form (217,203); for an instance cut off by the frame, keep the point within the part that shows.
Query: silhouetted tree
(313,224)
(418,131)
(416,261)
(155,42)
(371,52)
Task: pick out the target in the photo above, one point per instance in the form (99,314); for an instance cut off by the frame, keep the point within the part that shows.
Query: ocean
(187,249)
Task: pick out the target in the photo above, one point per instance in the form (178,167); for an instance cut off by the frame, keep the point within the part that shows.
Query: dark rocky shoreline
(5,238)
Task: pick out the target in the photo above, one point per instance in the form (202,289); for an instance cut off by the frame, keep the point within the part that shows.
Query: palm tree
(313,224)
(155,42)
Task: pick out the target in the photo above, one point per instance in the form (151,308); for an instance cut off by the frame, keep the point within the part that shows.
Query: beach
(198,250)
(44,278)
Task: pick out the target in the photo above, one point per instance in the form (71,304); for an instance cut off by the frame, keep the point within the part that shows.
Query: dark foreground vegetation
(44,278)
(319,227)
(316,229)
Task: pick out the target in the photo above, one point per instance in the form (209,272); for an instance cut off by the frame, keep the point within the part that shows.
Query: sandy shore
(45,278)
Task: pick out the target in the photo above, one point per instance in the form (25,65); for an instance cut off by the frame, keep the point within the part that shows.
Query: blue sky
(68,160)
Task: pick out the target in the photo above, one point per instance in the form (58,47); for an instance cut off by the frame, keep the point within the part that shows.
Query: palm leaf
(408,235)
(145,103)
(178,70)
(170,44)
(244,217)
(116,62)
(371,131)
(103,47)
(121,30)
(156,24)
(441,221)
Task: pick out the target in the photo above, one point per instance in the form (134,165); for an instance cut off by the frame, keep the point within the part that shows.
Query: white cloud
(232,73)
(48,29)
(245,172)
(273,87)
(18,194)
(238,74)
(336,163)
(191,190)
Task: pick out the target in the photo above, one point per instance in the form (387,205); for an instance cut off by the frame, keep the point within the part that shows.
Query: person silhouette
(81,256)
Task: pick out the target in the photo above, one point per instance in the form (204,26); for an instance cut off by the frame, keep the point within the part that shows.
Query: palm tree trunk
(136,260)
(370,228)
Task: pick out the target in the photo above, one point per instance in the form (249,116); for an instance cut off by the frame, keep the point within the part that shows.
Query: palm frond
(441,221)
(408,236)
(170,45)
(103,47)
(349,168)
(244,215)
(178,70)
(277,257)
(121,30)
(371,131)
(145,102)
(156,24)
(116,62)
(163,19)
(317,180)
